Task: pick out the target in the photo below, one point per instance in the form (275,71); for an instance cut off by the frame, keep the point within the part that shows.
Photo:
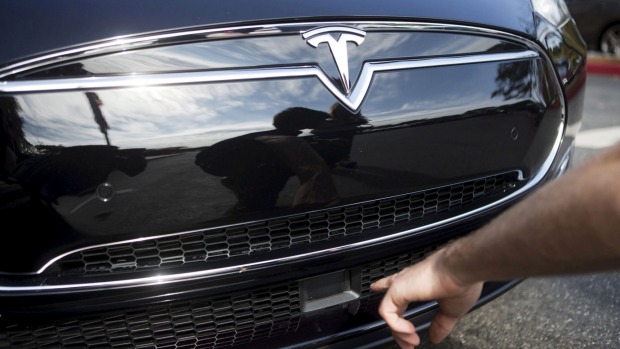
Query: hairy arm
(569,226)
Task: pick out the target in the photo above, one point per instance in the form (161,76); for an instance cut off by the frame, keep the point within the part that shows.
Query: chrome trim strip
(145,41)
(299,72)
(352,101)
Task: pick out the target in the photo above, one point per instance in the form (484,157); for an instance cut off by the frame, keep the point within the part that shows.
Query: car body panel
(80,22)
(196,186)
(182,137)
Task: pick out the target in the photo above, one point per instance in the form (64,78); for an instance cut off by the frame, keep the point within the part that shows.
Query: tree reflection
(47,172)
(514,80)
(12,138)
(95,105)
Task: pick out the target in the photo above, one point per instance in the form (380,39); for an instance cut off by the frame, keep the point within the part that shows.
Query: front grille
(281,233)
(379,269)
(200,323)
(207,323)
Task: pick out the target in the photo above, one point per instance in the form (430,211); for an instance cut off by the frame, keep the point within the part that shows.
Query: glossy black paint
(83,169)
(66,23)
(169,171)
(251,47)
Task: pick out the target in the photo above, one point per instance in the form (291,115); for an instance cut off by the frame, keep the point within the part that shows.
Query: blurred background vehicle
(599,23)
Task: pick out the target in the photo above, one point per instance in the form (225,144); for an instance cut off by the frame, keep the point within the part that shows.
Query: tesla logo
(337,38)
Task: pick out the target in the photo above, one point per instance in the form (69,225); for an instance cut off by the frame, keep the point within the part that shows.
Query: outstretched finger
(382,285)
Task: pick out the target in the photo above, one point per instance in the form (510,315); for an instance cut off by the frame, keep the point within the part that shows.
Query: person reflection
(334,138)
(257,166)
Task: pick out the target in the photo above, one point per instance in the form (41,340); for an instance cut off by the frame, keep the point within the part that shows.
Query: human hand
(425,281)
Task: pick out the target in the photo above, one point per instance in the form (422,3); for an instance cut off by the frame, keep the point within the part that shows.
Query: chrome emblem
(336,38)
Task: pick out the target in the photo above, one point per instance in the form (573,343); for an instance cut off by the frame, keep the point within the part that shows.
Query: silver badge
(337,38)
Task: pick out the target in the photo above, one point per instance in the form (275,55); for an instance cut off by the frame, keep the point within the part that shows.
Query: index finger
(382,285)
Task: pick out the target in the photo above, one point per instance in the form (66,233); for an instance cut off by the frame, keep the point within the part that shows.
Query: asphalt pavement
(574,312)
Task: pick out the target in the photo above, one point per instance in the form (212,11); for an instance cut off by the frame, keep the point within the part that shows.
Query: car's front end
(229,173)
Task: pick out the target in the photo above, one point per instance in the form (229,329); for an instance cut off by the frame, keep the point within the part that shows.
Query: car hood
(65,23)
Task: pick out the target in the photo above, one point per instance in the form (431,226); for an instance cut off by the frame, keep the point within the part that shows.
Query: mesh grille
(377,270)
(205,323)
(202,323)
(275,234)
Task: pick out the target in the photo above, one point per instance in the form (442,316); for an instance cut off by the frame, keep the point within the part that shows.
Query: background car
(599,23)
(214,174)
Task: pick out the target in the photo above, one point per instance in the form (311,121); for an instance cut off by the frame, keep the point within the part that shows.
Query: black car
(206,174)
(598,22)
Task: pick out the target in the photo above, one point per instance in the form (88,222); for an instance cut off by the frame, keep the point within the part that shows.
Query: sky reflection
(193,116)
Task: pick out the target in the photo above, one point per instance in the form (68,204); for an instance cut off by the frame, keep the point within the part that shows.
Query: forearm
(569,226)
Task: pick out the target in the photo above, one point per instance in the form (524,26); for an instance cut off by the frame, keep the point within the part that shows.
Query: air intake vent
(201,323)
(282,233)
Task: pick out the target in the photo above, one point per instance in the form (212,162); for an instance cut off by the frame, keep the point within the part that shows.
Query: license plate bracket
(329,289)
